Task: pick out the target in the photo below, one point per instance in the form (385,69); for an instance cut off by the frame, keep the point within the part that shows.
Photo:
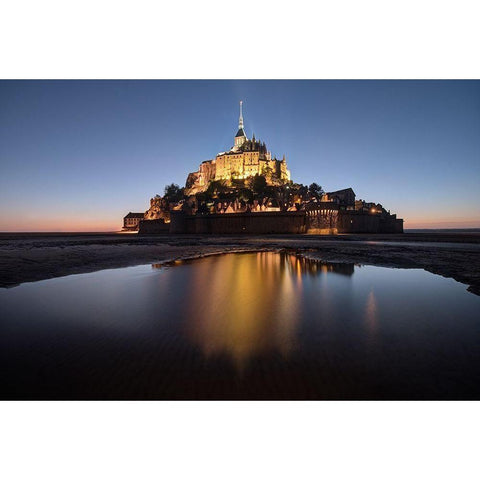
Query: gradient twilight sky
(79,155)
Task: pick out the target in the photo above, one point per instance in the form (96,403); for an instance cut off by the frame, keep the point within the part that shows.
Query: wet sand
(32,257)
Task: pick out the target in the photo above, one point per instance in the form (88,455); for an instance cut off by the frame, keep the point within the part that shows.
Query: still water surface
(241,326)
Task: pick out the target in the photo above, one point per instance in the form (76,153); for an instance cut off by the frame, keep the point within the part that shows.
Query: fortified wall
(153,226)
(360,222)
(322,222)
(248,223)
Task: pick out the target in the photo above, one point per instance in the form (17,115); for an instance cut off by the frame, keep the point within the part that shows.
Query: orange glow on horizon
(65,225)
(414,223)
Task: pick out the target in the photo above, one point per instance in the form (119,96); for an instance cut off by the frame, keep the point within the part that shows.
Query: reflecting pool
(241,326)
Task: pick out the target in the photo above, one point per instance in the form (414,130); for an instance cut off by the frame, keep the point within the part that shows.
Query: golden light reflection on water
(235,311)
(245,305)
(371,312)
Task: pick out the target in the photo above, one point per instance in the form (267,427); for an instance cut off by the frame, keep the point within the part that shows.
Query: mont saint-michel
(267,274)
(247,189)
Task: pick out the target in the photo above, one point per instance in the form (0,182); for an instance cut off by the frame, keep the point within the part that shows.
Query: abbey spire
(240,137)
(240,119)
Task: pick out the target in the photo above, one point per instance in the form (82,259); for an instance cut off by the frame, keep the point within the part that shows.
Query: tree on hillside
(245,195)
(217,187)
(315,190)
(299,191)
(173,193)
(283,196)
(258,184)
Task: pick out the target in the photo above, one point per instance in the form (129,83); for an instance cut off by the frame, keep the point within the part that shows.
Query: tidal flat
(250,326)
(27,257)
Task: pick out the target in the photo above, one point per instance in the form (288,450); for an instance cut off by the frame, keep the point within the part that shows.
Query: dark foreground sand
(31,257)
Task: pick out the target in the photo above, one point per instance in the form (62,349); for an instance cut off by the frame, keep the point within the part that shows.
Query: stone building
(132,220)
(344,197)
(247,158)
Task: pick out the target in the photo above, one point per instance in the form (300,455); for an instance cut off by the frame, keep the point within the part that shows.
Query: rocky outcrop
(159,209)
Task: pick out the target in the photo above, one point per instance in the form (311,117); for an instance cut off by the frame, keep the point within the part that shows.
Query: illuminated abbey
(246,190)
(247,158)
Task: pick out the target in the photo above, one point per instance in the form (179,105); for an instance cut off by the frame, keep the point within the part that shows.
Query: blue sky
(79,155)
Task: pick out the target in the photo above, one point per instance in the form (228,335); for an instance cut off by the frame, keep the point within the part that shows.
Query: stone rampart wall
(362,222)
(249,223)
(275,222)
(153,226)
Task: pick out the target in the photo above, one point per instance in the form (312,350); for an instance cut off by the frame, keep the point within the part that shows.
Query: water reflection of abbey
(247,315)
(290,262)
(313,266)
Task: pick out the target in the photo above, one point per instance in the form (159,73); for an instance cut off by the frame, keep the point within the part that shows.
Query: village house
(132,220)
